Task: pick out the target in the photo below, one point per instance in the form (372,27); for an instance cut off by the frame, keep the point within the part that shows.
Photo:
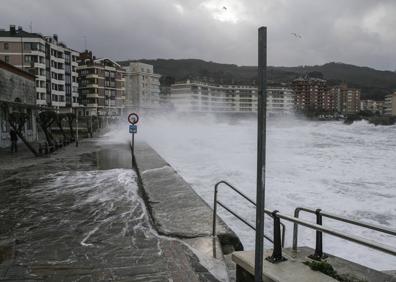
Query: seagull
(296,35)
(224,7)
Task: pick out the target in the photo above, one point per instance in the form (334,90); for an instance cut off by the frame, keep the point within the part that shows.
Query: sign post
(133,119)
(261,143)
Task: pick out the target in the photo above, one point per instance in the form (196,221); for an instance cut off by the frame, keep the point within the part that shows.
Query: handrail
(319,213)
(215,202)
(355,239)
(278,243)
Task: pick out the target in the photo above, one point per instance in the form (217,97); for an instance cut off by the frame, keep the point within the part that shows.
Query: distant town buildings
(311,95)
(17,94)
(280,100)
(390,105)
(142,86)
(376,107)
(165,100)
(347,100)
(52,62)
(196,96)
(67,81)
(101,86)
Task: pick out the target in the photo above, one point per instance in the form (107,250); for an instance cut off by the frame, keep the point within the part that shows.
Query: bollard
(318,255)
(276,256)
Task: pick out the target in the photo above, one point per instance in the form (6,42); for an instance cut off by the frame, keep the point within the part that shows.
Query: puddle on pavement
(118,156)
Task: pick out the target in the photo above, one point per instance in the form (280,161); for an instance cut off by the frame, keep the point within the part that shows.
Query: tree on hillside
(316,74)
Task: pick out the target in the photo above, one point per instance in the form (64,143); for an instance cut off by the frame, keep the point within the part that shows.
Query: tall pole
(261,142)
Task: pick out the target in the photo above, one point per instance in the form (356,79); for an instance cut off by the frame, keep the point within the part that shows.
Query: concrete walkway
(77,215)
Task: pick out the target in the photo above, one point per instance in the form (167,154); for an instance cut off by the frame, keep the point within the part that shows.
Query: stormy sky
(361,32)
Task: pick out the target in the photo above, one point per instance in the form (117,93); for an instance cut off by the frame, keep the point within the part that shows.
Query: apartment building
(376,107)
(280,100)
(142,86)
(51,61)
(101,86)
(311,95)
(347,100)
(390,105)
(196,96)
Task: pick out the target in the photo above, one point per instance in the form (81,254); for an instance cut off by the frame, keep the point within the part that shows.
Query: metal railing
(266,211)
(319,240)
(279,237)
(277,252)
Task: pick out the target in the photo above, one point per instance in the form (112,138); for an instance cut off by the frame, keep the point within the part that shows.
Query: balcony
(89,86)
(93,95)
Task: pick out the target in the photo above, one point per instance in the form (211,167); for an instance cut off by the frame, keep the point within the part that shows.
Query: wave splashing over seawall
(344,169)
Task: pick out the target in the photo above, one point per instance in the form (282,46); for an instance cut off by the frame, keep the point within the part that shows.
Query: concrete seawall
(177,210)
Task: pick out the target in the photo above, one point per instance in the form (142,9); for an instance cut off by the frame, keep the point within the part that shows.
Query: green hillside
(374,84)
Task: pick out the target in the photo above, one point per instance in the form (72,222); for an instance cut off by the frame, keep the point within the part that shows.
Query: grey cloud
(354,31)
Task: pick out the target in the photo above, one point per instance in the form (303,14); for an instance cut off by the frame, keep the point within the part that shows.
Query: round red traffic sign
(133,118)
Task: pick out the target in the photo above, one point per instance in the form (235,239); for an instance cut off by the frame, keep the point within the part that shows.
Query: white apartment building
(52,62)
(372,106)
(142,86)
(195,96)
(280,100)
(390,105)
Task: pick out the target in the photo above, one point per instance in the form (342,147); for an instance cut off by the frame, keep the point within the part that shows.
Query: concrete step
(288,271)
(294,269)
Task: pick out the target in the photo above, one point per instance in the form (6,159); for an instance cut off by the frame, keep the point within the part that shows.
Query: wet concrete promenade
(77,216)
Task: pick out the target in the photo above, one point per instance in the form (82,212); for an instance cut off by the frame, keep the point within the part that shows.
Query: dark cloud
(355,31)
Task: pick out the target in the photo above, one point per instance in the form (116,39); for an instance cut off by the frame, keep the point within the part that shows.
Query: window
(6,46)
(7,59)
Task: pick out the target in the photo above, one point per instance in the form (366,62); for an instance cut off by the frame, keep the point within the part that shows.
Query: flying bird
(224,7)
(296,35)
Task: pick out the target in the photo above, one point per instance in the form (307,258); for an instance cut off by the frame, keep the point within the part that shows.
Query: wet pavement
(78,216)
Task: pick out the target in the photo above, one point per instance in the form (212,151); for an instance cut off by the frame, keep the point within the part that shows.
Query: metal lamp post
(261,143)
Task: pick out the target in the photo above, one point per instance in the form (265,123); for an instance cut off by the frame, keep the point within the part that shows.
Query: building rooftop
(19,32)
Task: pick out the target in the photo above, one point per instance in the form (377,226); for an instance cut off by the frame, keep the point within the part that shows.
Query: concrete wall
(14,87)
